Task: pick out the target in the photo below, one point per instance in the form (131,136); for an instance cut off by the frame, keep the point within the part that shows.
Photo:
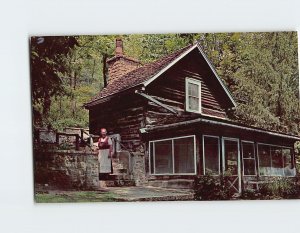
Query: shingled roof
(137,76)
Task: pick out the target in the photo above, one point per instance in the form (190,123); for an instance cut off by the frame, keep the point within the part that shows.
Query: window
(163,157)
(193,95)
(173,156)
(275,160)
(231,156)
(249,168)
(184,155)
(211,155)
(264,159)
(289,168)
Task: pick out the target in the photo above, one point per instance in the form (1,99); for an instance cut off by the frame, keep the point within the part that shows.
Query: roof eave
(107,98)
(229,124)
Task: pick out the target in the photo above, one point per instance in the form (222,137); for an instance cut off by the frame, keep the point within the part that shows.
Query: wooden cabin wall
(170,90)
(122,115)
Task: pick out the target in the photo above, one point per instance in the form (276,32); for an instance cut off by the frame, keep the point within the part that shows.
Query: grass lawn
(74,196)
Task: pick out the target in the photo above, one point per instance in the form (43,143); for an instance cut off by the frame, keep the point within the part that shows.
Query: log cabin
(174,113)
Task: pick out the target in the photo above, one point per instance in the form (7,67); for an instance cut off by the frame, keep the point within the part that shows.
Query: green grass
(74,196)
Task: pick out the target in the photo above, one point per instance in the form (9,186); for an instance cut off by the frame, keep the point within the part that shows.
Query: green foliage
(47,68)
(267,81)
(250,194)
(210,187)
(82,80)
(279,187)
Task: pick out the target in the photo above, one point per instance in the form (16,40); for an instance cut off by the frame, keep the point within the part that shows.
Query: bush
(250,194)
(279,187)
(210,187)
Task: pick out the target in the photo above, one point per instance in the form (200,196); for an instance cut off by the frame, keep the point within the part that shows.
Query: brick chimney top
(119,47)
(120,64)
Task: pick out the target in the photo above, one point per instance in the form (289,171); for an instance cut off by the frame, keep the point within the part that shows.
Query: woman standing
(104,157)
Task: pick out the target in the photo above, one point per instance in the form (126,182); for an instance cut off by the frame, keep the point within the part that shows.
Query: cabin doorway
(231,164)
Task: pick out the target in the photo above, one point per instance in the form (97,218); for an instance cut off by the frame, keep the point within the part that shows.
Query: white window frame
(172,139)
(203,153)
(196,82)
(293,160)
(253,144)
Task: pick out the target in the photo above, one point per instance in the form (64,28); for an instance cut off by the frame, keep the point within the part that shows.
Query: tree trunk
(93,72)
(104,70)
(46,105)
(73,96)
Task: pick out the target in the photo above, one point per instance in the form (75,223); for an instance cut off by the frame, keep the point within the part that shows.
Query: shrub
(279,187)
(250,194)
(210,187)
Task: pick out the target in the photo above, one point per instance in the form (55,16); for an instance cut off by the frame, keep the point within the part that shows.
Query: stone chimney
(120,64)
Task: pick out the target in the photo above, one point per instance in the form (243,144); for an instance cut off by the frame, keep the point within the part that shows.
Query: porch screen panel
(211,155)
(289,168)
(184,160)
(277,161)
(231,156)
(248,159)
(163,157)
(264,159)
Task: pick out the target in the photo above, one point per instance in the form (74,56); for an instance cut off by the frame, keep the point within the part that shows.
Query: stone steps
(120,171)
(119,183)
(121,175)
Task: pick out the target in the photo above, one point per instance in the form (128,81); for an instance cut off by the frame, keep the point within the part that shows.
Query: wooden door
(231,164)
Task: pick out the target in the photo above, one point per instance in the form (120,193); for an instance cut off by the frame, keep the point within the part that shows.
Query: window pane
(264,159)
(277,162)
(289,169)
(249,167)
(163,157)
(211,155)
(248,158)
(184,155)
(231,156)
(193,103)
(193,89)
(248,150)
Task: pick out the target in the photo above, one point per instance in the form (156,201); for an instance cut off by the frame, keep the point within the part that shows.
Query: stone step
(119,171)
(117,166)
(174,183)
(123,176)
(119,183)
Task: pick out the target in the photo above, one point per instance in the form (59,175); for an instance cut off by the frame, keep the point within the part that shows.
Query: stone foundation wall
(138,168)
(66,169)
(71,169)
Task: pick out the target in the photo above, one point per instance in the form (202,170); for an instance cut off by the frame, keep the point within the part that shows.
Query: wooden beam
(156,101)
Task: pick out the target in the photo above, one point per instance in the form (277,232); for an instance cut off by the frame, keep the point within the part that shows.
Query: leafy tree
(46,69)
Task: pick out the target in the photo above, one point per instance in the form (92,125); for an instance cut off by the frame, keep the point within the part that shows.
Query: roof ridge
(159,59)
(125,57)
